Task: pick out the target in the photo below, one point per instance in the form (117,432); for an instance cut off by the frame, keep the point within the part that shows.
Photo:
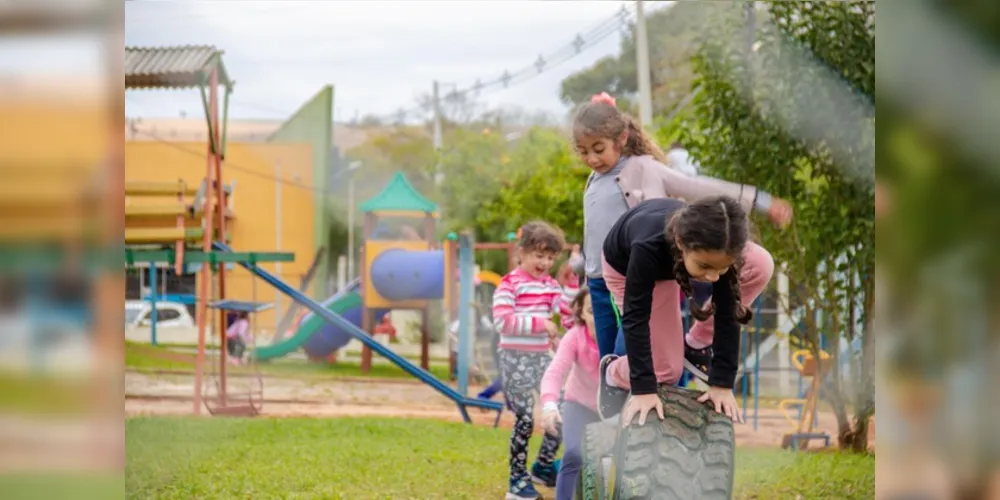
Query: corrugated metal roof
(172,67)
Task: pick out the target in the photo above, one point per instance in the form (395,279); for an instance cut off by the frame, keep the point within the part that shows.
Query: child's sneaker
(610,400)
(544,475)
(698,361)
(521,489)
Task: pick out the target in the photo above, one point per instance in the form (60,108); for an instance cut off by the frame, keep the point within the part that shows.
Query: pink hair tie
(603,97)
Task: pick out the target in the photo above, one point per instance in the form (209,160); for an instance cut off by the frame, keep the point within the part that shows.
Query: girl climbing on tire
(654,249)
(628,168)
(575,364)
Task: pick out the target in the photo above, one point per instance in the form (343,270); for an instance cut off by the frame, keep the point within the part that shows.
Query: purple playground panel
(397,275)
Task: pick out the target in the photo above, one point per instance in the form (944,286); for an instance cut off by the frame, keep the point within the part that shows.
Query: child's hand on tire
(551,418)
(640,404)
(724,401)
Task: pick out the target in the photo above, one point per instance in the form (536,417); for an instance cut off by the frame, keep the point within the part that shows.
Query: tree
(546,182)
(673,33)
(769,78)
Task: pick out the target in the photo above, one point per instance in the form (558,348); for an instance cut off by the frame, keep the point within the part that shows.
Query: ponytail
(639,143)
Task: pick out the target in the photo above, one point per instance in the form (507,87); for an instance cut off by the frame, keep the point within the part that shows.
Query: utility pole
(438,139)
(642,66)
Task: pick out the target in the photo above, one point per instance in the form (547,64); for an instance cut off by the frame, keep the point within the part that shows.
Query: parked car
(138,313)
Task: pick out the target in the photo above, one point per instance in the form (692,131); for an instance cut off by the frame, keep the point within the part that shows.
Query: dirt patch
(170,394)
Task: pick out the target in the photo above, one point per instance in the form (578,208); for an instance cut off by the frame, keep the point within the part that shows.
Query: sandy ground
(170,394)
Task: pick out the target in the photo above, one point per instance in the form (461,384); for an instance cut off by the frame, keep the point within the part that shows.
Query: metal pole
(153,316)
(784,348)
(465,269)
(350,227)
(278,202)
(438,134)
(642,67)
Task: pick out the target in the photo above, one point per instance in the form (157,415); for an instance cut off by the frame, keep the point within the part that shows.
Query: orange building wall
(252,170)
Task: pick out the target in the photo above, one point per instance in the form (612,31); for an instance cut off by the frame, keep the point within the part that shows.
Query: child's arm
(555,374)
(635,319)
(726,341)
(565,310)
(506,320)
(576,261)
(692,188)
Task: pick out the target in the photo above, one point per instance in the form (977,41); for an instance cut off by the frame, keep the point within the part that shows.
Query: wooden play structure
(403,268)
(161,227)
(802,427)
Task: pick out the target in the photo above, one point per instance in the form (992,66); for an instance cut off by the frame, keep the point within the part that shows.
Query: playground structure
(816,369)
(161,233)
(158,232)
(398,273)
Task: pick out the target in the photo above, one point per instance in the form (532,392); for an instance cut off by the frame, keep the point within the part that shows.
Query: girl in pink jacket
(575,363)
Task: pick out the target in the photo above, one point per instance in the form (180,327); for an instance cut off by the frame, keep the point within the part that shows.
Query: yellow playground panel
(372,250)
(802,427)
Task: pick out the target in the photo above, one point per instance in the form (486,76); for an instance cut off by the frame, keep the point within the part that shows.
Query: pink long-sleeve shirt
(575,363)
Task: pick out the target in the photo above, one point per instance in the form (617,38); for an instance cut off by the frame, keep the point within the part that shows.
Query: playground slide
(397,275)
(355,332)
(346,302)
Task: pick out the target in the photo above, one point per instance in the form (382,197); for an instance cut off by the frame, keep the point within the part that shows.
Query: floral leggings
(521,372)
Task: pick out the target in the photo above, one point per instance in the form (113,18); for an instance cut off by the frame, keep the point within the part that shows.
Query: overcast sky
(379,55)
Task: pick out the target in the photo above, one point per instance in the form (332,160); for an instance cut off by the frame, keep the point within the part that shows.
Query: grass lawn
(357,458)
(144,358)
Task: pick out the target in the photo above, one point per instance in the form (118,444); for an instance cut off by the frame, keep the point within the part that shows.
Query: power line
(506,80)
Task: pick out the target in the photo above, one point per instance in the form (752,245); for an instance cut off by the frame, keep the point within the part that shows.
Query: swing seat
(800,440)
(246,410)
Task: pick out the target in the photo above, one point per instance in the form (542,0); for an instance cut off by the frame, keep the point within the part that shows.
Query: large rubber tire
(687,455)
(596,467)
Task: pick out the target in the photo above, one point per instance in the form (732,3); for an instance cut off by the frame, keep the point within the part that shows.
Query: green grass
(51,485)
(358,458)
(139,358)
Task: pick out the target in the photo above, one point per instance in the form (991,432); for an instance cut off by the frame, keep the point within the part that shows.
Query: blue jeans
(604,316)
(575,417)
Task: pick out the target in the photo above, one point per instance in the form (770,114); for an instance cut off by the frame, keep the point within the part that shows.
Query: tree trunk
(865,392)
(834,391)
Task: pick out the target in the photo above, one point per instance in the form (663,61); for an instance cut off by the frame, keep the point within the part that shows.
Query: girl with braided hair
(628,168)
(656,248)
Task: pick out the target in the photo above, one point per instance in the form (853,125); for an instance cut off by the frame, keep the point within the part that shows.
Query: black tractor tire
(596,468)
(687,455)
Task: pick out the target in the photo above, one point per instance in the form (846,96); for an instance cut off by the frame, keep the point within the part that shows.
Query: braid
(743,313)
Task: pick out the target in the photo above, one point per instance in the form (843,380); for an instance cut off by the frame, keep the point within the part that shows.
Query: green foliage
(547,184)
(183,458)
(787,104)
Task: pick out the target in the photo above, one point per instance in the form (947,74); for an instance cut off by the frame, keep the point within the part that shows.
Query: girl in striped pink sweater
(523,306)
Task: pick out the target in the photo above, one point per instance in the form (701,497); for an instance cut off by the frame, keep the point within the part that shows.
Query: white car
(138,313)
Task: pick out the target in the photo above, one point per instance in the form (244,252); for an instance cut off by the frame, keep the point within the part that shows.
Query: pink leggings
(665,325)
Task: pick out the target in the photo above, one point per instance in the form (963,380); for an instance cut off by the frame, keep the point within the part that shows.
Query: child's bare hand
(552,329)
(640,405)
(551,420)
(780,212)
(725,402)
